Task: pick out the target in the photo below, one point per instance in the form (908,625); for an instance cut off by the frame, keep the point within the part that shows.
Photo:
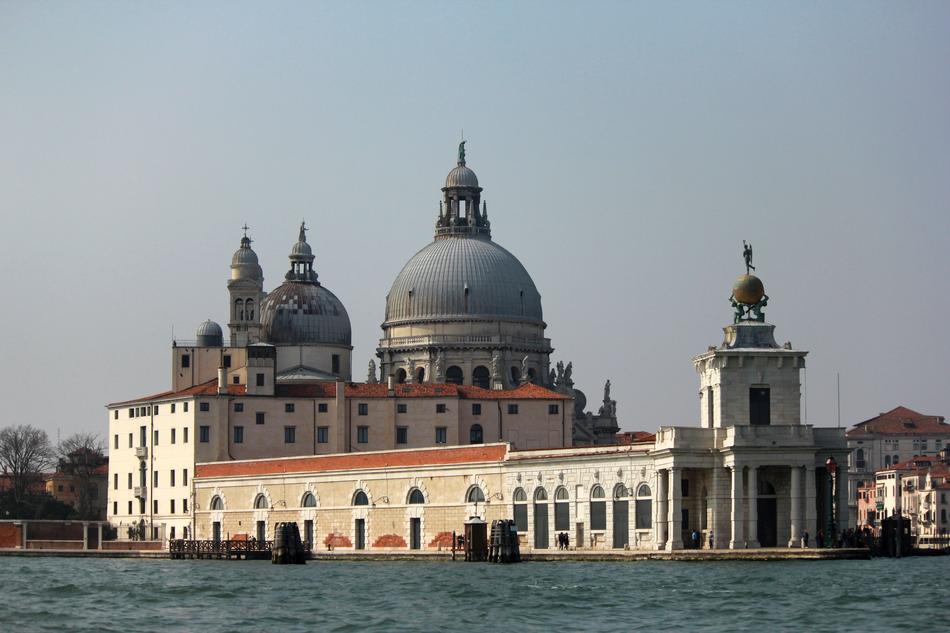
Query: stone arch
(481,377)
(454,375)
(400,376)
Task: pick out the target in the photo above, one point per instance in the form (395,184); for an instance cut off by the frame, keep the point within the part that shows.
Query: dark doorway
(261,531)
(759,409)
(621,523)
(540,526)
(360,534)
(454,375)
(415,533)
(308,533)
(216,531)
(768,524)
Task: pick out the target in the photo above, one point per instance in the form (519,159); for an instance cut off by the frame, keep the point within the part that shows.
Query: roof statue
(462,153)
(303,232)
(371,373)
(609,408)
(525,378)
(748,293)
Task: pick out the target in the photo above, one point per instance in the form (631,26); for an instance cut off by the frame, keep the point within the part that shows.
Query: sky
(625,150)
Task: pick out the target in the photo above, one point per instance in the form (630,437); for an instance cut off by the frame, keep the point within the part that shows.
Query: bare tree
(81,457)
(25,452)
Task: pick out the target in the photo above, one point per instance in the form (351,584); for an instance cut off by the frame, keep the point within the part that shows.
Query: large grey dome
(304,313)
(463,277)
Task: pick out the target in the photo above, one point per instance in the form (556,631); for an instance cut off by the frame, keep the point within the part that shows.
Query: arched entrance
(621,523)
(767,519)
(540,519)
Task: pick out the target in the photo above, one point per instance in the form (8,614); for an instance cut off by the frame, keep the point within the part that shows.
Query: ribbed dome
(301,313)
(432,285)
(209,334)
(244,263)
(461,176)
(301,248)
(244,256)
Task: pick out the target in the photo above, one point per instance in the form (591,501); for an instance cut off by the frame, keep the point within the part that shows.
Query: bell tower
(246,290)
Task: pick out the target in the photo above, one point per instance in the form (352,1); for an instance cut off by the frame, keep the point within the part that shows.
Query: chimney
(222,381)
(389,385)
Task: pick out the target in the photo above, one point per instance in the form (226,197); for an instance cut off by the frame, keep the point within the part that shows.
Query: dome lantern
(459,212)
(301,259)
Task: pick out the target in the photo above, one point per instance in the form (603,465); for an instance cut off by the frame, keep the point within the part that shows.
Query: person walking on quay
(805,539)
(695,538)
(712,541)
(821,539)
(567,541)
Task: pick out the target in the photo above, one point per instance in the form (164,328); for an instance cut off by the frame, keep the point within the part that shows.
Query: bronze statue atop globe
(748,289)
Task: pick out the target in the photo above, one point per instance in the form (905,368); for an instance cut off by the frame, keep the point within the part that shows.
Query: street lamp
(831,466)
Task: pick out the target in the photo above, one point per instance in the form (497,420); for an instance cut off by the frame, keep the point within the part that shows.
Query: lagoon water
(123,595)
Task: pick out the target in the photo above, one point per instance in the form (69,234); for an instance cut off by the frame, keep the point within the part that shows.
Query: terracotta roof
(356,461)
(918,462)
(635,437)
(900,421)
(427,390)
(209,388)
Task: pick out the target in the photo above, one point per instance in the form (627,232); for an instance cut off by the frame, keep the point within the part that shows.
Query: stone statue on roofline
(371,373)
(525,378)
(440,366)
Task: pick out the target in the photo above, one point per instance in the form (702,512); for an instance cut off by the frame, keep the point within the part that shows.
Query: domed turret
(209,334)
(244,264)
(246,289)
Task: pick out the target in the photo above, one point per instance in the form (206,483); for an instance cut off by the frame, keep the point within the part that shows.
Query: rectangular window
(512,409)
(440,408)
(236,380)
(227,360)
(598,515)
(553,409)
(401,408)
(115,414)
(184,407)
(115,481)
(322,407)
(239,435)
(521,517)
(155,409)
(155,442)
(759,414)
(130,440)
(115,442)
(441,434)
(115,507)
(260,380)
(259,417)
(171,477)
(335,364)
(173,436)
(362,434)
(185,435)
(184,476)
(204,434)
(290,435)
(173,407)
(362,408)
(184,506)
(172,507)
(684,488)
(402,435)
(130,481)
(141,506)
(204,407)
(155,479)
(562,517)
(132,412)
(289,407)
(323,434)
(143,436)
(130,507)
(185,361)
(477,409)
(238,407)
(154,506)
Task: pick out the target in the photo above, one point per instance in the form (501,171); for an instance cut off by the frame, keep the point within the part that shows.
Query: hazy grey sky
(625,151)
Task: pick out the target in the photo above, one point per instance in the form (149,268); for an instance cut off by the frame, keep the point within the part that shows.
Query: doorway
(767,525)
(360,534)
(415,533)
(216,531)
(540,526)
(621,523)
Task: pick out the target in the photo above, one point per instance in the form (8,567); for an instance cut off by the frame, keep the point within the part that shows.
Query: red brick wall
(390,540)
(337,539)
(54,531)
(48,544)
(132,545)
(10,535)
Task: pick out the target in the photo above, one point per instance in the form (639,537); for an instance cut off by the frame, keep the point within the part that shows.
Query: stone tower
(246,290)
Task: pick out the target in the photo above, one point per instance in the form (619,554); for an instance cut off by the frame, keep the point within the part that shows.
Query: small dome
(209,334)
(301,248)
(304,313)
(461,176)
(748,289)
(244,264)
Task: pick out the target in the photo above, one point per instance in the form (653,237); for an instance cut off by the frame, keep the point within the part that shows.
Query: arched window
(416,496)
(598,509)
(360,499)
(260,502)
(454,375)
(521,510)
(239,309)
(249,309)
(859,458)
(620,491)
(540,518)
(309,501)
(481,377)
(515,375)
(644,508)
(562,512)
(531,374)
(540,494)
(475,495)
(475,435)
(217,503)
(421,375)
(400,376)
(621,519)
(887,460)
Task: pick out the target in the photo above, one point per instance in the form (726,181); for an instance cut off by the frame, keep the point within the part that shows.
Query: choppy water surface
(103,595)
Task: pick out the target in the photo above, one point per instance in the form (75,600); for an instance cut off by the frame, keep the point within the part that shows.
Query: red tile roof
(900,421)
(354,461)
(209,388)
(635,437)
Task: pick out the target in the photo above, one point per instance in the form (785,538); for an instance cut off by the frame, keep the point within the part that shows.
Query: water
(123,595)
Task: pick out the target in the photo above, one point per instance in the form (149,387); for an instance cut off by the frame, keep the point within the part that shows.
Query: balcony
(467,340)
(141,452)
(140,492)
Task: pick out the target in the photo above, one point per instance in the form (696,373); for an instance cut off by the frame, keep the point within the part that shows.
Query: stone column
(675,540)
(23,529)
(811,509)
(795,507)
(842,490)
(85,535)
(100,535)
(736,541)
(752,539)
(714,499)
(660,514)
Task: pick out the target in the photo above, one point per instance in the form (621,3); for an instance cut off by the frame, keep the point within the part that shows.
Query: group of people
(563,540)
